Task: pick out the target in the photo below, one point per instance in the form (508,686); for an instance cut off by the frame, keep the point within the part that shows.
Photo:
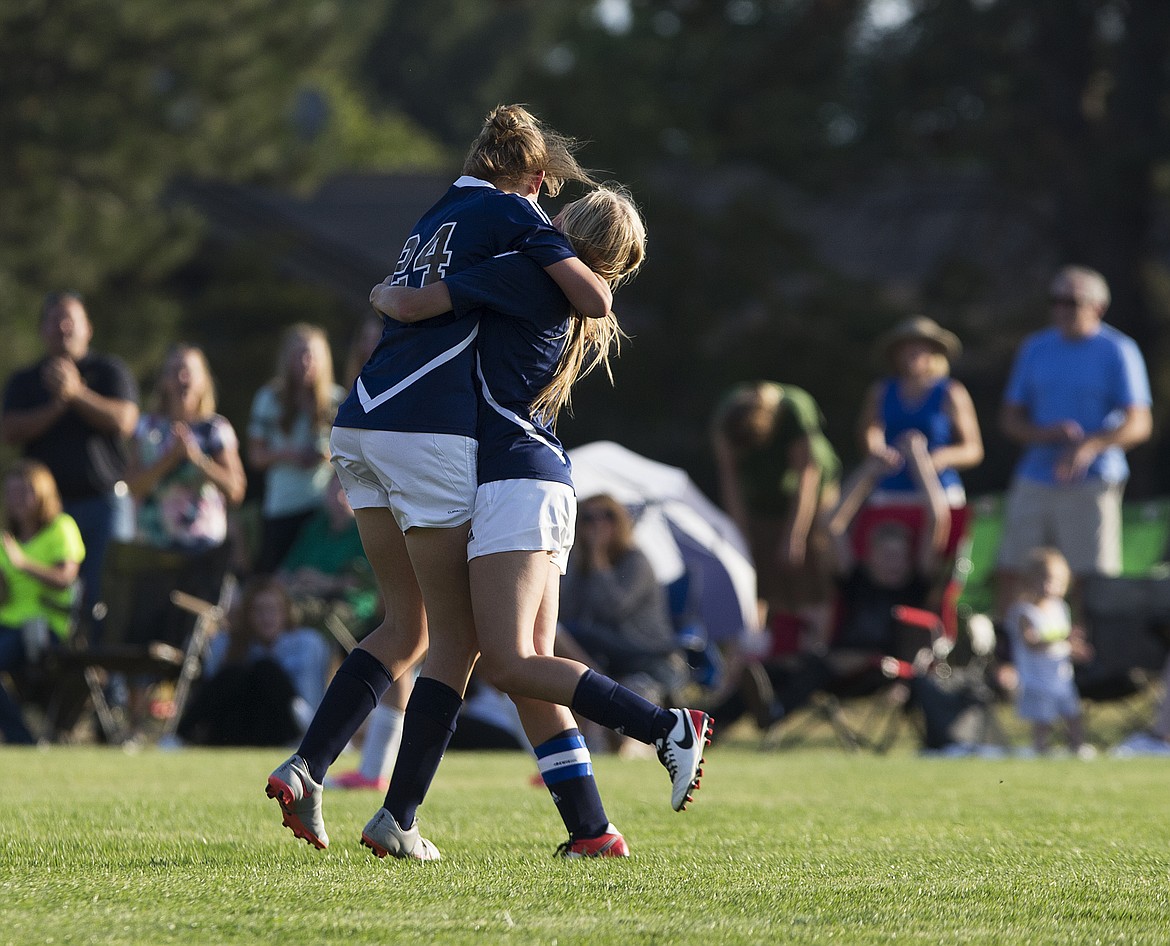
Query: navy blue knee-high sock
(430,721)
(567,771)
(353,693)
(607,702)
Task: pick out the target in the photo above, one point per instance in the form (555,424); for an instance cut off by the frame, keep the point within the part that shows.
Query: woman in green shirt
(40,556)
(778,474)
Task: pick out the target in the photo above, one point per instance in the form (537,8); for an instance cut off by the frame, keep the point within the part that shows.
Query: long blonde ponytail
(608,234)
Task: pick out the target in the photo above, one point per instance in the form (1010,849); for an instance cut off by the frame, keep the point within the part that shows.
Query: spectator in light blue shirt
(1078,398)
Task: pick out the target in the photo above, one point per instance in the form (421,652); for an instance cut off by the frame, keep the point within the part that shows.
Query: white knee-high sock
(383,737)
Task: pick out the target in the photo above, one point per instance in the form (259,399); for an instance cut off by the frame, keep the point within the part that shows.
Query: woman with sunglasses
(615,610)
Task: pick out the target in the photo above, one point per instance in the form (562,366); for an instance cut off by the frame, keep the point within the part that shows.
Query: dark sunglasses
(600,516)
(1065,300)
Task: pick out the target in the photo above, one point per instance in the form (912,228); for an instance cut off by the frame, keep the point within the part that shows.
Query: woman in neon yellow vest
(40,556)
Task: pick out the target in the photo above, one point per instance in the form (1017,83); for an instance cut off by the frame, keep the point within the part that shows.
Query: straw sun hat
(918,328)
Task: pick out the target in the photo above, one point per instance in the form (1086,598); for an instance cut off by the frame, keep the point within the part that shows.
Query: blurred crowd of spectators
(171,477)
(1078,397)
(835,556)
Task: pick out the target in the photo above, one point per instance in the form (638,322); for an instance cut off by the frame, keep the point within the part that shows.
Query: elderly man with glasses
(1077,399)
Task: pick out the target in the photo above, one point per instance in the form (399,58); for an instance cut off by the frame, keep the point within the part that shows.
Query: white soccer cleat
(681,751)
(384,837)
(300,800)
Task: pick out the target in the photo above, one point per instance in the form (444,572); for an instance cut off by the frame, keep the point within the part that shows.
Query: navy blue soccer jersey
(421,376)
(523,322)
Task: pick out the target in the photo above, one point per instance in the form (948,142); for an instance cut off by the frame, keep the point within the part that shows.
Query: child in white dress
(1040,626)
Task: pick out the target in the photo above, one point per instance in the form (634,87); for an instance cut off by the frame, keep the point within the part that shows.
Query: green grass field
(810,846)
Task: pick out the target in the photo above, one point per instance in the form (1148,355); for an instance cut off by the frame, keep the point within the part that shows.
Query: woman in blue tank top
(921,396)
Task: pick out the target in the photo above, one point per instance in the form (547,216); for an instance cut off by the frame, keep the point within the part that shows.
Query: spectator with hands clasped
(918,394)
(185,467)
(72,411)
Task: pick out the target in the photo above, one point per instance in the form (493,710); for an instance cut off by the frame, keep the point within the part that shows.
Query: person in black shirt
(73,411)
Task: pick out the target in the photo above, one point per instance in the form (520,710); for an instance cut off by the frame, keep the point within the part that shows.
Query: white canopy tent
(679,529)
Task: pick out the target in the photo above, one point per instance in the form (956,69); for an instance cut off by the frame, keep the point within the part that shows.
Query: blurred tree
(733,119)
(1065,104)
(103,104)
(689,103)
(742,126)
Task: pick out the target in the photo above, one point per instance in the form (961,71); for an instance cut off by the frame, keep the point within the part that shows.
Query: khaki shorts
(1082,520)
(524,516)
(425,480)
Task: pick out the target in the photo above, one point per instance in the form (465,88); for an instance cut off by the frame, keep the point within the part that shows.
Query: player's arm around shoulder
(587,292)
(404,304)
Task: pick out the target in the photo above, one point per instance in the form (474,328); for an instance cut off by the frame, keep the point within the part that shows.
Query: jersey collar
(468,181)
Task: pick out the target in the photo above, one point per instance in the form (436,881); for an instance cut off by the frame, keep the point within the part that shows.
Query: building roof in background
(345,236)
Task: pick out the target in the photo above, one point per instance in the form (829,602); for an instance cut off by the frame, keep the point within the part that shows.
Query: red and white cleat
(300,800)
(608,844)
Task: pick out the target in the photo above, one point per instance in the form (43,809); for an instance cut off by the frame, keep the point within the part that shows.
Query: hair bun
(505,118)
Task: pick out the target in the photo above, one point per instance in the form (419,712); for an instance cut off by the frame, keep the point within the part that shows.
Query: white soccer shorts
(425,480)
(524,516)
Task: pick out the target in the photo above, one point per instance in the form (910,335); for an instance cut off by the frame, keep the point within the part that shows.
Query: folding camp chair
(913,516)
(157,612)
(865,705)
(1127,624)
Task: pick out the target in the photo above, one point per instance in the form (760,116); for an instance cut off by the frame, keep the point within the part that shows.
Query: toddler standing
(1040,625)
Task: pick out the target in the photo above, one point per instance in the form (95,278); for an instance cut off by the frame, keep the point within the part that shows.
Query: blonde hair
(514,144)
(323,384)
(608,234)
(44,487)
(159,396)
(1043,559)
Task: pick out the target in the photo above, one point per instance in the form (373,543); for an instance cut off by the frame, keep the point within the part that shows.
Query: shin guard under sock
(607,702)
(567,771)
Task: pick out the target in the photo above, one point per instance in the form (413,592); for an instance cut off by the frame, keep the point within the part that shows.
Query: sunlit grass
(811,846)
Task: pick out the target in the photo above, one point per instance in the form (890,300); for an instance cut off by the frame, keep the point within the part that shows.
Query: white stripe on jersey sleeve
(515,418)
(540,210)
(370,403)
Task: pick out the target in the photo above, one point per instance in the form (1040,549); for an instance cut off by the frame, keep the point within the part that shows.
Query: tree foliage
(103,105)
(732,120)
(748,129)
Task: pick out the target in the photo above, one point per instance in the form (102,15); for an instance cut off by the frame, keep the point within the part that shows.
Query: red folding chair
(865,708)
(913,517)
